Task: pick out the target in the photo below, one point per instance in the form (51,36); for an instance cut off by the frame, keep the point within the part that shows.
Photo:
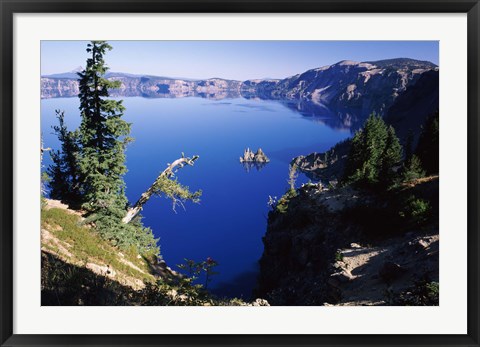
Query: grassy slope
(80,268)
(63,236)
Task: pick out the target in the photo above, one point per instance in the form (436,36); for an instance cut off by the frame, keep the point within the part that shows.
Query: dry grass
(63,231)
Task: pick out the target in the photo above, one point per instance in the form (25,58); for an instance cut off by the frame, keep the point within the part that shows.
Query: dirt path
(368,275)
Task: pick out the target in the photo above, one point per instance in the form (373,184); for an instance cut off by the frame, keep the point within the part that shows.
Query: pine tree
(412,169)
(412,166)
(366,152)
(64,173)
(391,159)
(375,142)
(104,135)
(375,155)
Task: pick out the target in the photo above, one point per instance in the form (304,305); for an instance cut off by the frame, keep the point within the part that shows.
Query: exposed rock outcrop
(380,274)
(328,166)
(250,157)
(343,246)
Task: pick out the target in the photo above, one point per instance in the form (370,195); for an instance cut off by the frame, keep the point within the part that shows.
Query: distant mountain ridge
(399,63)
(346,91)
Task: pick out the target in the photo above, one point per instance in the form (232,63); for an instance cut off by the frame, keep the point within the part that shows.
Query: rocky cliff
(410,110)
(346,92)
(349,247)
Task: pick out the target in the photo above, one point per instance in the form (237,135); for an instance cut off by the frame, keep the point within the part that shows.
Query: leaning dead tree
(165,184)
(43,189)
(42,149)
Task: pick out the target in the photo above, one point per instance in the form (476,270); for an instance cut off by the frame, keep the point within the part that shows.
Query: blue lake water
(231,218)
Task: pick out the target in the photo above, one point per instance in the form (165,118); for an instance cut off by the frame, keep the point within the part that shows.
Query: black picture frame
(10,7)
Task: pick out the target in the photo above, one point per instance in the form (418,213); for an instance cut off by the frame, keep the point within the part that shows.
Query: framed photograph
(238,173)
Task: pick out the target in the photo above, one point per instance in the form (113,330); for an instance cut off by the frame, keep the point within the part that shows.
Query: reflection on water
(250,165)
(338,119)
(346,119)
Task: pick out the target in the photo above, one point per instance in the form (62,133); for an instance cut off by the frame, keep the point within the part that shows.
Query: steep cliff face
(410,110)
(299,245)
(349,247)
(353,89)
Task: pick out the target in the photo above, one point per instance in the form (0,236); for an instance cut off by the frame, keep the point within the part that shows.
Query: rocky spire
(258,157)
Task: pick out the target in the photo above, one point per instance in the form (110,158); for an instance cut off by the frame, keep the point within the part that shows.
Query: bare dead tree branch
(153,189)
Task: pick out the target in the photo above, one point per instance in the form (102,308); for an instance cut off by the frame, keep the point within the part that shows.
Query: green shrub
(422,293)
(64,284)
(282,204)
(416,211)
(338,256)
(194,269)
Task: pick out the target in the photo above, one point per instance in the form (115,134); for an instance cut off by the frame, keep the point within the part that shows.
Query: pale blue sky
(239,60)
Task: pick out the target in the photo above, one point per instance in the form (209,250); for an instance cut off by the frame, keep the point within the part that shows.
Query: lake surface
(230,221)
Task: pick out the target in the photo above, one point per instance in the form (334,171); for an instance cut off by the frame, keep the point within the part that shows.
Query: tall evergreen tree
(366,152)
(375,155)
(104,135)
(412,169)
(65,173)
(375,141)
(391,159)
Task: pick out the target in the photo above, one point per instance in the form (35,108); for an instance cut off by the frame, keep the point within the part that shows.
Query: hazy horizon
(235,60)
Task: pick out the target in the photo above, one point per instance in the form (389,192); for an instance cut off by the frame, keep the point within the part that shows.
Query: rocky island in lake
(250,157)
(252,160)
